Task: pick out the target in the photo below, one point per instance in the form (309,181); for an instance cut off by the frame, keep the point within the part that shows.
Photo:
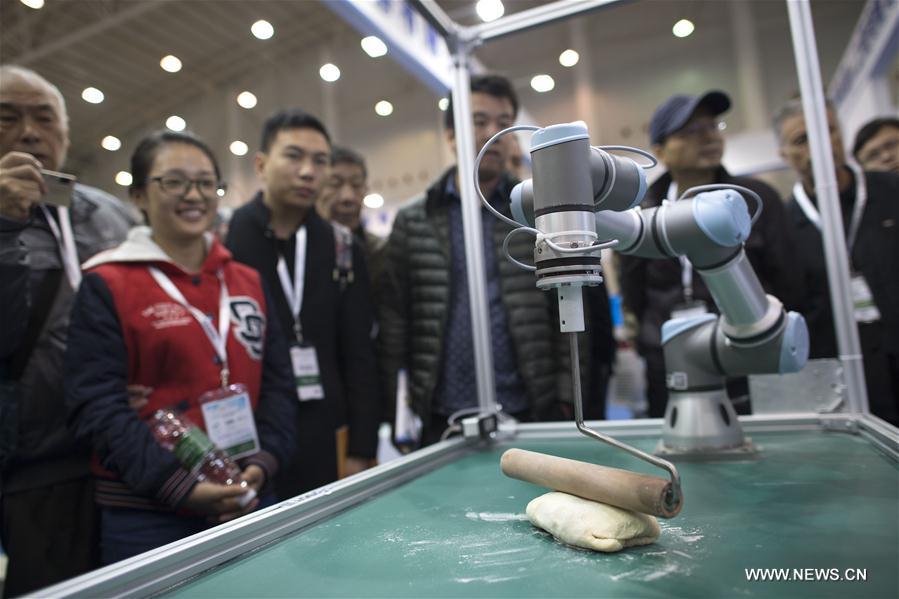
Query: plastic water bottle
(197,454)
(627,388)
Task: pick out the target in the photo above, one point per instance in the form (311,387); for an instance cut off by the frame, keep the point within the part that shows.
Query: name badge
(689,310)
(306,373)
(228,416)
(862,301)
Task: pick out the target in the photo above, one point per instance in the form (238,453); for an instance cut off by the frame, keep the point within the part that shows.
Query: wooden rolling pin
(621,488)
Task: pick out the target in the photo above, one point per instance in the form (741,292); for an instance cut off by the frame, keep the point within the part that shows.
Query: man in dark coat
(869,202)
(49,521)
(341,201)
(686,138)
(321,293)
(876,146)
(424,312)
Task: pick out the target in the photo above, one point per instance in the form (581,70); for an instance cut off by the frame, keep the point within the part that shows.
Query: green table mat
(814,500)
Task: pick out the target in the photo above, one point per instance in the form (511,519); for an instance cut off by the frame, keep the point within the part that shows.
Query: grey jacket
(413,300)
(45,453)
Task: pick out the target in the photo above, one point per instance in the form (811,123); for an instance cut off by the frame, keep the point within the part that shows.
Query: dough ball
(589,524)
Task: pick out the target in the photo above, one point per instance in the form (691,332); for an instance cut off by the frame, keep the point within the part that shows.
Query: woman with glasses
(168,313)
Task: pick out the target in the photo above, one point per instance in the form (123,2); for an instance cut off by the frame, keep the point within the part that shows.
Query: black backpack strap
(43,302)
(10,391)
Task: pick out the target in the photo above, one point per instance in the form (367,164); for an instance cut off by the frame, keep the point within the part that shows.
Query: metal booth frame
(462,41)
(170,566)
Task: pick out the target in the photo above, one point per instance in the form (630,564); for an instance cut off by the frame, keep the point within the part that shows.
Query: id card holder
(689,309)
(228,415)
(306,373)
(862,301)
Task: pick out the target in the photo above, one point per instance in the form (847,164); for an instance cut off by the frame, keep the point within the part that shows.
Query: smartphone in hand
(59,188)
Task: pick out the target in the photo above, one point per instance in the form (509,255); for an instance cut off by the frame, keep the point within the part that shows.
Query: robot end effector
(572,180)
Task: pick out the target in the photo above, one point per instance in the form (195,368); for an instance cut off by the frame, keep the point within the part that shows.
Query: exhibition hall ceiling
(116,47)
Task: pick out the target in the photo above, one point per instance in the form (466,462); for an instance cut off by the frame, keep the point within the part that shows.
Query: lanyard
(218,338)
(861,198)
(66,242)
(686,272)
(293,291)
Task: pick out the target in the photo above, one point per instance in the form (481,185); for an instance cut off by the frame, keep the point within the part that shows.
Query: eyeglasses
(699,128)
(180,186)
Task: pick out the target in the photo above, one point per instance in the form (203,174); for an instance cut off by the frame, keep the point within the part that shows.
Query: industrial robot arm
(582,194)
(752,335)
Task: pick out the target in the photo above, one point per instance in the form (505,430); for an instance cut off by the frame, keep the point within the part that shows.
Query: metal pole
(534,17)
(435,15)
(471,226)
(808,69)
(674,495)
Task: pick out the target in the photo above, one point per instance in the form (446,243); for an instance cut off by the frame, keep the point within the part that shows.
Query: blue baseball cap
(677,110)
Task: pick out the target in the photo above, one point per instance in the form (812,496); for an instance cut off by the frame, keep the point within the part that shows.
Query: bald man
(47,516)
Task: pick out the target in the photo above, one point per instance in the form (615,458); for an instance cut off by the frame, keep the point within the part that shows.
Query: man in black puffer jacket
(424,314)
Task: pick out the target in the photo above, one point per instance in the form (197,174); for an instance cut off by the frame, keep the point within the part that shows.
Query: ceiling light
(373,200)
(175,123)
(490,10)
(329,72)
(238,148)
(373,46)
(170,63)
(569,58)
(111,143)
(682,28)
(542,83)
(443,104)
(123,178)
(35,4)
(246,100)
(92,95)
(384,108)
(262,30)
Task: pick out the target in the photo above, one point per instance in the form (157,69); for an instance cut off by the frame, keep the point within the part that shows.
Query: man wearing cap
(686,137)
(869,203)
